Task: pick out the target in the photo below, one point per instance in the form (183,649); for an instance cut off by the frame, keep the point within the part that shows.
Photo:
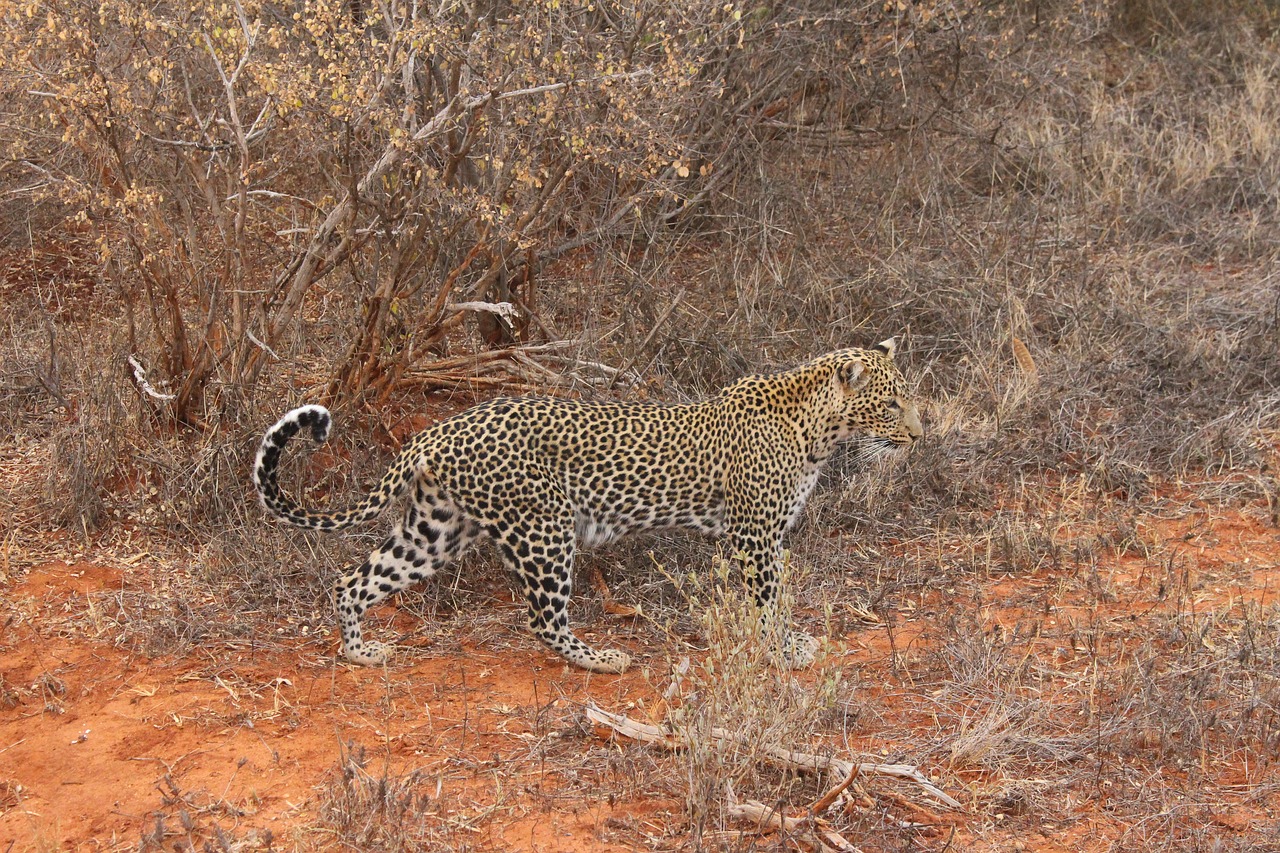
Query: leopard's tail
(318,420)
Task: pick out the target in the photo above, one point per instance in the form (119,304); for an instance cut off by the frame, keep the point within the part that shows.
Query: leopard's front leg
(758,546)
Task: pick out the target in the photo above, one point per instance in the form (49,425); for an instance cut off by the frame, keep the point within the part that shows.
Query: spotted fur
(542,477)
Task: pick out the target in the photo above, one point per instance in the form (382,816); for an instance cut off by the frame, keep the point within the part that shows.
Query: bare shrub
(340,187)
(230,158)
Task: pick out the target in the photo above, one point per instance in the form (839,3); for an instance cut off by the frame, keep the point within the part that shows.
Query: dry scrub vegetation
(1069,210)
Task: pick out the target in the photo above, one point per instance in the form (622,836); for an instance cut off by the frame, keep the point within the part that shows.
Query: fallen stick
(611,605)
(839,767)
(809,828)
(633,729)
(788,758)
(920,814)
(768,820)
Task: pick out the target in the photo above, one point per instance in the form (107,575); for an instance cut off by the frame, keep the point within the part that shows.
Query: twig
(657,324)
(505,310)
(807,761)
(140,376)
(824,802)
(633,729)
(809,828)
(253,338)
(517,363)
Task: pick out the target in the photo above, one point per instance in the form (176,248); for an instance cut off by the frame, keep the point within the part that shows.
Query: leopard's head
(874,402)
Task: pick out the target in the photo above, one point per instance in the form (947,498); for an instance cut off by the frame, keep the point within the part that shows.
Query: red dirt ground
(94,741)
(104,749)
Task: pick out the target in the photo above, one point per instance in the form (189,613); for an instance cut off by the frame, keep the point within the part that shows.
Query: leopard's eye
(895,406)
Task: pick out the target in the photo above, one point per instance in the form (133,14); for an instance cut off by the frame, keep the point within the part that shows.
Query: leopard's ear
(888,346)
(852,374)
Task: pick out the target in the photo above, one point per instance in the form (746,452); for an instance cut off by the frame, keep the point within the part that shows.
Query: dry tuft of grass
(364,810)
(742,686)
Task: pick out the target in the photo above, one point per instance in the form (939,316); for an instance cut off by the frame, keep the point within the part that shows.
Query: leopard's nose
(911,420)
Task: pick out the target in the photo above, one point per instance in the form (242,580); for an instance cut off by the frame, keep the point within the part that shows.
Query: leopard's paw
(369,653)
(799,649)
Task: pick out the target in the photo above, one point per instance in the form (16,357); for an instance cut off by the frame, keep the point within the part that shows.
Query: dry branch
(808,828)
(520,368)
(140,377)
(295,280)
(806,761)
(790,759)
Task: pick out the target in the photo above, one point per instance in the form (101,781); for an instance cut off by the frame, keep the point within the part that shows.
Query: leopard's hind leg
(540,551)
(433,531)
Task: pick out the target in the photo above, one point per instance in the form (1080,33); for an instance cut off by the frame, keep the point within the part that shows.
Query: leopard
(544,476)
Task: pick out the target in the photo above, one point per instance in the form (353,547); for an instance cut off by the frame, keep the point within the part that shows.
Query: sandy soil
(96,742)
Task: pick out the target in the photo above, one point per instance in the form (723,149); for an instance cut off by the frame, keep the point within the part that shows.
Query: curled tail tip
(315,417)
